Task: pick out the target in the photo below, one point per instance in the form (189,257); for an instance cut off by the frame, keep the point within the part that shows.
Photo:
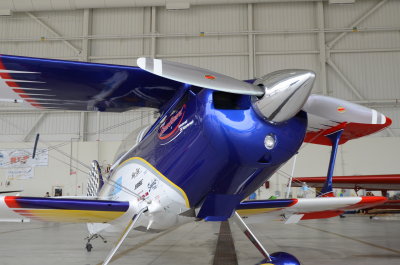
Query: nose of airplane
(285,93)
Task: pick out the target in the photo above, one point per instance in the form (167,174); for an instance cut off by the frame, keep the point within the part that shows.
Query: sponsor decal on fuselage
(170,127)
(153,185)
(137,185)
(136,173)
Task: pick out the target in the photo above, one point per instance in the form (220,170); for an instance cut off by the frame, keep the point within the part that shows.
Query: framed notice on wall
(15,158)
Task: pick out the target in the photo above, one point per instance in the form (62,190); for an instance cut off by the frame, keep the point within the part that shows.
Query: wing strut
(327,189)
(123,235)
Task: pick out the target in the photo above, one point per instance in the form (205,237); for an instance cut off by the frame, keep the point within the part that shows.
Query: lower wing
(61,210)
(294,210)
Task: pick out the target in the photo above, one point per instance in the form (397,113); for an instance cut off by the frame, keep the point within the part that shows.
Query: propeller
(198,76)
(276,97)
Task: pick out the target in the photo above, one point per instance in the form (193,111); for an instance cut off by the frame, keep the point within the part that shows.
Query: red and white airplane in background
(383,183)
(216,141)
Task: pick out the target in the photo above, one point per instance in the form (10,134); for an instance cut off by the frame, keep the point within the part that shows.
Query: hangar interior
(352,45)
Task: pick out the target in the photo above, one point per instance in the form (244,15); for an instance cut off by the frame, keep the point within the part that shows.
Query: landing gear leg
(277,258)
(124,235)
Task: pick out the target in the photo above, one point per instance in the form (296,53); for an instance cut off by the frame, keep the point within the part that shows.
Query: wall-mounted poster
(12,158)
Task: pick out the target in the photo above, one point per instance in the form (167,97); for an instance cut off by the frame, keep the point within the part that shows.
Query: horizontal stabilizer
(62,210)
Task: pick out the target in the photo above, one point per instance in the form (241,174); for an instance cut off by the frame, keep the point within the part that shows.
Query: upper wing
(307,208)
(61,210)
(327,115)
(68,85)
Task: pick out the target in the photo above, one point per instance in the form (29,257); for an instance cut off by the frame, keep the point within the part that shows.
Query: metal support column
(153,31)
(250,40)
(86,30)
(322,46)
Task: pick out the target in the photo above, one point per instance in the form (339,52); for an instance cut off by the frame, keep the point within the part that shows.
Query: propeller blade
(198,76)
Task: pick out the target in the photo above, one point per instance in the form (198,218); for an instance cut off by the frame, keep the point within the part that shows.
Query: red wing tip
(373,199)
(388,122)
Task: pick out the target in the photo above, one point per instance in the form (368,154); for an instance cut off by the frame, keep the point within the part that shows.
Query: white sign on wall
(11,158)
(20,173)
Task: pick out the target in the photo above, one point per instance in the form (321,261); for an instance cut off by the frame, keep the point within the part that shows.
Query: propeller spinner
(277,96)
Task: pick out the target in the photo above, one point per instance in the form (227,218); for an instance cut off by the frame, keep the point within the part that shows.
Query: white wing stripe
(157,66)
(17,72)
(22,81)
(374,116)
(383,119)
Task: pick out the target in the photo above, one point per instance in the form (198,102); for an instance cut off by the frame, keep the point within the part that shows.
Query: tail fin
(95,182)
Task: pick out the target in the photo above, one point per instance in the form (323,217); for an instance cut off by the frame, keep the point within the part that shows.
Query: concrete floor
(351,241)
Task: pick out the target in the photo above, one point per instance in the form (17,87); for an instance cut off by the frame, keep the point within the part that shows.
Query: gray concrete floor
(351,241)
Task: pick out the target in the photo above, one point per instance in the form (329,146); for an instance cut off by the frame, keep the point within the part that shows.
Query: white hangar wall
(354,49)
(68,164)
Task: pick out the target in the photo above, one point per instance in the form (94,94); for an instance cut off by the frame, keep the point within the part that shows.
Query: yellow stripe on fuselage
(71,216)
(247,212)
(169,181)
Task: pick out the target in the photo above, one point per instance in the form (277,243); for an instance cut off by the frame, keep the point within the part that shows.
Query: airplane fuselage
(206,152)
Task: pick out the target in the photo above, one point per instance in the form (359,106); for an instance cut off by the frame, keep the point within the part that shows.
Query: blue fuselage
(213,148)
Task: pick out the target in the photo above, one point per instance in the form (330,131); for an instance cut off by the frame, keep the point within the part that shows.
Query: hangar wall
(67,165)
(354,49)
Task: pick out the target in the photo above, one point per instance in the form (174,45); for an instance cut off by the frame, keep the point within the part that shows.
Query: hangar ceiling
(353,48)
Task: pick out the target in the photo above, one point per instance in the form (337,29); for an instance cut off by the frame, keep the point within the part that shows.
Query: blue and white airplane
(216,141)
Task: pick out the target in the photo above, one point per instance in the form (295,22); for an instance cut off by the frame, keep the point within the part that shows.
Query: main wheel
(281,258)
(89,247)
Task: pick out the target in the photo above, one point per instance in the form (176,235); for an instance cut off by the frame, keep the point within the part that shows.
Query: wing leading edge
(69,85)
(61,210)
(327,115)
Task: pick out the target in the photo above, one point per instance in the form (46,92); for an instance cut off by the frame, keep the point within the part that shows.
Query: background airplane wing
(61,210)
(68,85)
(294,210)
(367,182)
(327,115)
